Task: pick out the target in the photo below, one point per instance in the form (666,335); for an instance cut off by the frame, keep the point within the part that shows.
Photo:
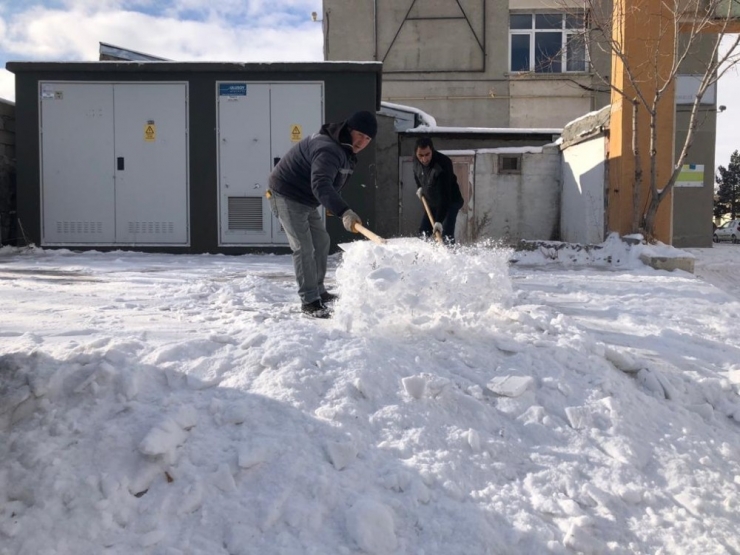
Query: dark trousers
(448,224)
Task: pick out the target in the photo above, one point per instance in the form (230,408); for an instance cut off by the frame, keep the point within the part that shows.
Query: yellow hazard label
(296,133)
(150,132)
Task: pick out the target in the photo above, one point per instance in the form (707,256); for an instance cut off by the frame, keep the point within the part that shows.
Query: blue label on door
(232,89)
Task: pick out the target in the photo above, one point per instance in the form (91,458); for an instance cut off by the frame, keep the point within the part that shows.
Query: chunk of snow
(510,386)
(341,453)
(370,525)
(414,386)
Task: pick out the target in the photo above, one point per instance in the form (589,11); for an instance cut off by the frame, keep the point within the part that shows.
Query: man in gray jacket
(310,175)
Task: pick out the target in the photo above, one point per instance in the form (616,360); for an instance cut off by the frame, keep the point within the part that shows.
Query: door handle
(120,163)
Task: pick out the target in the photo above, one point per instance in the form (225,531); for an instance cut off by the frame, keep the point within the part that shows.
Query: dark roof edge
(146,66)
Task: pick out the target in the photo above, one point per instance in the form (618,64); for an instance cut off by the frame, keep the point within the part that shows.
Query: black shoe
(328,298)
(316,309)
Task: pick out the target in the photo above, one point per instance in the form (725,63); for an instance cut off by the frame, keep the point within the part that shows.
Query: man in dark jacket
(309,175)
(436,180)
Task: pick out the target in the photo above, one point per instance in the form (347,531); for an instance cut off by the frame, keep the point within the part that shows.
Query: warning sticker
(296,133)
(150,132)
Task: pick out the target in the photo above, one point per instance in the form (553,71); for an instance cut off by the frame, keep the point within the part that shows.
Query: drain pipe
(375,29)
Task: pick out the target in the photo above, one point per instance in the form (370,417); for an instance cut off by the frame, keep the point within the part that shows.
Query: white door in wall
(77,163)
(151,163)
(296,111)
(244,162)
(257,124)
(114,166)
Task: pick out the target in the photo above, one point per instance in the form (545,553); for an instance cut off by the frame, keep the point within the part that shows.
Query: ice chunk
(341,453)
(163,439)
(414,386)
(510,386)
(252,455)
(223,479)
(474,440)
(370,524)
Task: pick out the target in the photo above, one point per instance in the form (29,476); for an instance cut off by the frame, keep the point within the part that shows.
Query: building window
(547,42)
(509,163)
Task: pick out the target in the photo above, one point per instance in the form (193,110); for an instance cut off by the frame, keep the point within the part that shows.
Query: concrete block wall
(7,173)
(512,207)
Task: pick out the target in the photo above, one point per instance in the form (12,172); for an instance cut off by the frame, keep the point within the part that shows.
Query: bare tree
(648,81)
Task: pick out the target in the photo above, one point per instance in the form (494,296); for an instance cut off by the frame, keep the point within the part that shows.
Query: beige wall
(455,69)
(548,102)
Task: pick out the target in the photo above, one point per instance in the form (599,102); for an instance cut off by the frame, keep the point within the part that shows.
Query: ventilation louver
(245,214)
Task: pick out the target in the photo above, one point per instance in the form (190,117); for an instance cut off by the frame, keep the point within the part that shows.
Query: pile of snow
(172,404)
(615,252)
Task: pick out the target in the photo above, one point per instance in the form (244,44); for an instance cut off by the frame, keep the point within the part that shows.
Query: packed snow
(461,401)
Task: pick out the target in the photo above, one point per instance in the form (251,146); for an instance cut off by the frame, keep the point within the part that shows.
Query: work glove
(419,193)
(437,228)
(349,219)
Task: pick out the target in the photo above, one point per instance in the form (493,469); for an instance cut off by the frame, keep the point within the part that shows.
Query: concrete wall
(693,206)
(386,178)
(548,102)
(583,196)
(515,207)
(453,68)
(7,173)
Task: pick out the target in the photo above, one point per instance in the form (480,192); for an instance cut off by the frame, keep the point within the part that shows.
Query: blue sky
(202,30)
(207,30)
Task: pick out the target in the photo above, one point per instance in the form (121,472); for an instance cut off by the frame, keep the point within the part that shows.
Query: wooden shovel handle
(437,234)
(359,228)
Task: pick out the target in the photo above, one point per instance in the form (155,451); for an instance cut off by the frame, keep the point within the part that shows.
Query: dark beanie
(364,122)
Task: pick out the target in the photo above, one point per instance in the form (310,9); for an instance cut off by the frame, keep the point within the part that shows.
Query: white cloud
(7,85)
(59,35)
(233,31)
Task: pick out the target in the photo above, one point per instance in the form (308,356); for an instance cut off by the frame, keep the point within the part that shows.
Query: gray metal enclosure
(107,176)
(170,156)
(284,113)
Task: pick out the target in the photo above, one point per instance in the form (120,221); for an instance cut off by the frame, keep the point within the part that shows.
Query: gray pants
(309,242)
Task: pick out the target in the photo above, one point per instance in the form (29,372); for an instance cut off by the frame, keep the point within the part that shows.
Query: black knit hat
(364,122)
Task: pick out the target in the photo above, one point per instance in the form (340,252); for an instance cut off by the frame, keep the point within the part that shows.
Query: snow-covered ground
(457,403)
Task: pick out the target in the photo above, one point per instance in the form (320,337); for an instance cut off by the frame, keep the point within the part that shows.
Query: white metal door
(77,163)
(244,162)
(151,145)
(296,111)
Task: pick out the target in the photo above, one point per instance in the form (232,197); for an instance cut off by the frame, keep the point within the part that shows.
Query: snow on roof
(426,119)
(584,117)
(496,150)
(484,130)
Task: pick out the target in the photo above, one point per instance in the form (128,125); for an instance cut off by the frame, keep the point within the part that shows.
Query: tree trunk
(638,171)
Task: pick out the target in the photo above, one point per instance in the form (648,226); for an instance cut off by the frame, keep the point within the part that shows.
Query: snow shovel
(359,228)
(437,235)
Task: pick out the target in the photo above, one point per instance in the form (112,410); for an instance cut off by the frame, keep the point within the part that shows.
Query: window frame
(565,36)
(501,157)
